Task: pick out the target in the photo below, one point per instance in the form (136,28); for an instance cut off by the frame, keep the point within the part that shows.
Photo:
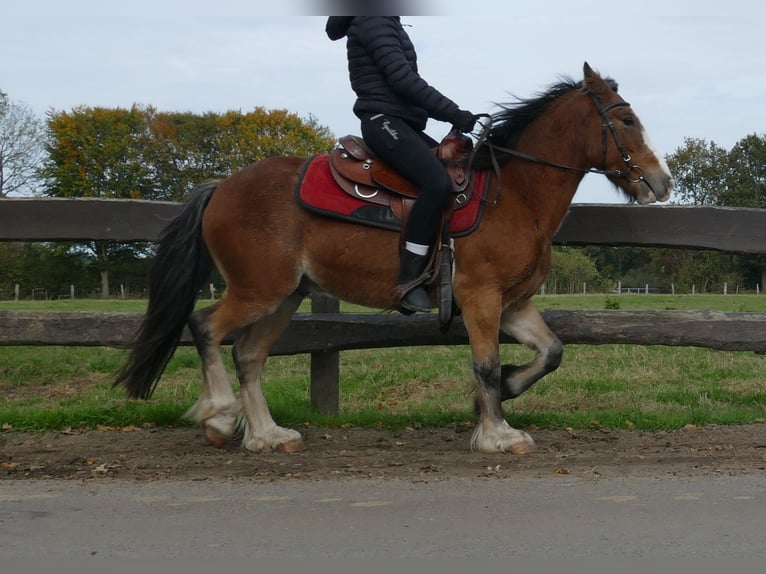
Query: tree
(707,174)
(143,153)
(570,268)
(189,148)
(745,184)
(98,152)
(22,137)
(699,170)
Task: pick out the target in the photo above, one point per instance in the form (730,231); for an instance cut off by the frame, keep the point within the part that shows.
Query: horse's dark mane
(513,118)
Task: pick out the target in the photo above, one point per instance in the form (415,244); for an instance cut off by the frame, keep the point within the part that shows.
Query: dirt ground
(418,455)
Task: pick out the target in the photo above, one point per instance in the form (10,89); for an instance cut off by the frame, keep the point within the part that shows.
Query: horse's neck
(547,190)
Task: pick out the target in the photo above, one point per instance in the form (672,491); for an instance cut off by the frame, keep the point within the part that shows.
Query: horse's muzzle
(654,187)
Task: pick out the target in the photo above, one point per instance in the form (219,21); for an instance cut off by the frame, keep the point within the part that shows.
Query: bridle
(634,173)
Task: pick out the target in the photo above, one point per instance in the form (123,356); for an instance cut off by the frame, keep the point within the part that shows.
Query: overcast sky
(690,68)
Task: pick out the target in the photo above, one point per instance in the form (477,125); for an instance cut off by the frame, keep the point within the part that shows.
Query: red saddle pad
(318,192)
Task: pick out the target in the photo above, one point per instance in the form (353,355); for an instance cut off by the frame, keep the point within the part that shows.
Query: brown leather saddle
(363,176)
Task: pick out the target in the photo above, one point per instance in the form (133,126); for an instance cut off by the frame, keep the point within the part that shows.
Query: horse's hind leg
(217,409)
(250,353)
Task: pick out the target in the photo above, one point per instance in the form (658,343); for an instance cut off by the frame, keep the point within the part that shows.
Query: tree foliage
(22,137)
(143,153)
(570,268)
(746,174)
(140,153)
(707,174)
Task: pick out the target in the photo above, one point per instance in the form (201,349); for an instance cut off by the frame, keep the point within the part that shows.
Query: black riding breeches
(409,152)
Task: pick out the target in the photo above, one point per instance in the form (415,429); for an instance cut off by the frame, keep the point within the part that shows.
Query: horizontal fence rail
(309,333)
(739,230)
(326,332)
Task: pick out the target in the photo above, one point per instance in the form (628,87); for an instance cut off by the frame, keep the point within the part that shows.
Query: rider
(394,104)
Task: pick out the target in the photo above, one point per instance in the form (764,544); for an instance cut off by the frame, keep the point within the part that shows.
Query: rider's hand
(464,121)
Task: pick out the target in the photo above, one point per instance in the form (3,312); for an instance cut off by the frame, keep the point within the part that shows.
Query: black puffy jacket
(383,69)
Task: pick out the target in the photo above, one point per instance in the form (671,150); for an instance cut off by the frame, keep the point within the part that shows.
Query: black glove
(464,121)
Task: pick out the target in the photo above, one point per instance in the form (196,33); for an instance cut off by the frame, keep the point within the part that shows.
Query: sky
(690,68)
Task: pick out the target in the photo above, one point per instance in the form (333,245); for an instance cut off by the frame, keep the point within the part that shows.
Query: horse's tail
(181,267)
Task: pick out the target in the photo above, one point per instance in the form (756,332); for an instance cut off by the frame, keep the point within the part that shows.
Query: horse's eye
(629,121)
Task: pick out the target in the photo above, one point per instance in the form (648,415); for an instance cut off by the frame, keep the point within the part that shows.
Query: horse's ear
(589,73)
(593,82)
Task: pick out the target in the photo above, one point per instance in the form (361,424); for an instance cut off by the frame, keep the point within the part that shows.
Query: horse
(272,253)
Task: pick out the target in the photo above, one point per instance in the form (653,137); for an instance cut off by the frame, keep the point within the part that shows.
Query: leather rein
(634,173)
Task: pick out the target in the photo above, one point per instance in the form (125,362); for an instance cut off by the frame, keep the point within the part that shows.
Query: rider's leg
(410,153)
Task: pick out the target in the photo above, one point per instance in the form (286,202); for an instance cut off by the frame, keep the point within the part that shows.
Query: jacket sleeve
(380,37)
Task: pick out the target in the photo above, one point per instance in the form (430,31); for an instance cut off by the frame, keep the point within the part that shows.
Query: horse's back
(258,193)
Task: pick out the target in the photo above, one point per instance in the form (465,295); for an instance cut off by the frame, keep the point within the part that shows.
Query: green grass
(615,386)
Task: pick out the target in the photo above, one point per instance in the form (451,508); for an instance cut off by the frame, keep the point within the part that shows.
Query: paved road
(557,516)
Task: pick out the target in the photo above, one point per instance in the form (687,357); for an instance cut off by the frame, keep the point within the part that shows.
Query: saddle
(362,175)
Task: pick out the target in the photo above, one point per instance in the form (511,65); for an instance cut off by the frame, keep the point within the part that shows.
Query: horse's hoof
(292,446)
(522,448)
(214,437)
(501,437)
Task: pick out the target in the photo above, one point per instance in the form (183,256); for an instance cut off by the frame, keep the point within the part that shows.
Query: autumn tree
(189,148)
(142,153)
(22,137)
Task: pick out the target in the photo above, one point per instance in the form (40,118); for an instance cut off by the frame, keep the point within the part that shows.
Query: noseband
(633,173)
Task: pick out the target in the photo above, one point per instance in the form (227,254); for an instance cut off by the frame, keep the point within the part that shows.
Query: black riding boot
(411,267)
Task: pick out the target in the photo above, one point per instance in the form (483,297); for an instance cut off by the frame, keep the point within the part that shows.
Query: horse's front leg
(525,324)
(493,433)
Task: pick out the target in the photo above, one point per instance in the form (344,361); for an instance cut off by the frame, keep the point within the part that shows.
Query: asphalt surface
(556,516)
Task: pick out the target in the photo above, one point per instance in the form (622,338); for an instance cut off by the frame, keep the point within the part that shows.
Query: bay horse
(272,253)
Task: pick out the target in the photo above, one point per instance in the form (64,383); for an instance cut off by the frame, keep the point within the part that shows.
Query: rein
(606,125)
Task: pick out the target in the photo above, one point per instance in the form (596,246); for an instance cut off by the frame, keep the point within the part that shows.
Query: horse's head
(624,152)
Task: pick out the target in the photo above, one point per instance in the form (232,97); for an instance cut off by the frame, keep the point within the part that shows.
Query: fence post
(16,292)
(325,366)
(71,292)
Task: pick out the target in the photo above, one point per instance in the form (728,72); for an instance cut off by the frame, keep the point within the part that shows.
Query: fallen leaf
(561,470)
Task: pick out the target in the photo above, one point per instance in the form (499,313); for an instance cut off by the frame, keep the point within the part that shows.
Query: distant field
(612,385)
(727,303)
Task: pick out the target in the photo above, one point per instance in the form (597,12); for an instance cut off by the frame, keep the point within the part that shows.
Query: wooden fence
(326,332)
